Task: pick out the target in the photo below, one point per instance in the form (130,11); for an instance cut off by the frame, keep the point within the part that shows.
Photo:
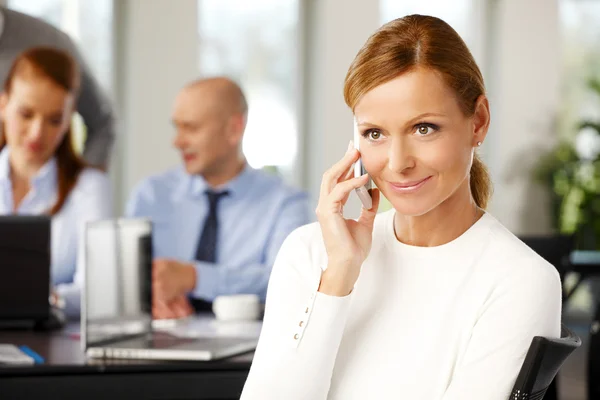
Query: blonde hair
(422,41)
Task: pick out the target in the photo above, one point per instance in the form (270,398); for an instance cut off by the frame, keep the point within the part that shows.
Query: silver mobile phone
(363,191)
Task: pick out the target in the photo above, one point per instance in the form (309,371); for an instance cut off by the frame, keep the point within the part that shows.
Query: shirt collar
(196,186)
(46,174)
(4,165)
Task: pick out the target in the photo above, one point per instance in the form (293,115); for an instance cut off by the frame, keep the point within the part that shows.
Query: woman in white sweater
(434,299)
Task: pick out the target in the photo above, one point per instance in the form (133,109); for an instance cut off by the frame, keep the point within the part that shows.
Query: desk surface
(67,374)
(63,354)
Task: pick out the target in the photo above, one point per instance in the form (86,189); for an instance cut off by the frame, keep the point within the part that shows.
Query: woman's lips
(34,147)
(408,187)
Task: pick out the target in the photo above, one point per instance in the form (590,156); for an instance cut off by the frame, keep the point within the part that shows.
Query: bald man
(218,223)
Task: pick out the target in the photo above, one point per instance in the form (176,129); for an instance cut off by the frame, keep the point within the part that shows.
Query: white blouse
(89,200)
(451,322)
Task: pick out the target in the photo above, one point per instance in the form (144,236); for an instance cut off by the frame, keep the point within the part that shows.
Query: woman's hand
(347,242)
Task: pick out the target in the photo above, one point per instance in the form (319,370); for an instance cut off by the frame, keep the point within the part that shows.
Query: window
(256,44)
(456,13)
(90,27)
(89,23)
(580,34)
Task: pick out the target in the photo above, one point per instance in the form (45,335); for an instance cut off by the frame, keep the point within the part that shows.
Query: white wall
(156,55)
(524,88)
(334,38)
(521,59)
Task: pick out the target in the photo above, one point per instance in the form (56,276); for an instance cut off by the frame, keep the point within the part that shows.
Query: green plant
(572,171)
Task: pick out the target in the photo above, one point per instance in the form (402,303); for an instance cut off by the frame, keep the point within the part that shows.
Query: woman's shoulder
(92,182)
(513,259)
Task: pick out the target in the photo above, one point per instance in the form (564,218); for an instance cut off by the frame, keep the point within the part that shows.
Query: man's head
(210,117)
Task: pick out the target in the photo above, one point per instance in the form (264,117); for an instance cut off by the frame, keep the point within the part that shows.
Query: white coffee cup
(237,307)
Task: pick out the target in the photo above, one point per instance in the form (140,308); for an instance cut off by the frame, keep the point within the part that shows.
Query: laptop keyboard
(163,340)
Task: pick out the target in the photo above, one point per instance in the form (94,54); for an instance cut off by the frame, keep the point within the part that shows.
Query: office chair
(542,362)
(555,249)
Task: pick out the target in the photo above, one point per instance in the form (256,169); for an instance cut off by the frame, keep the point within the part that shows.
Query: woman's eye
(374,135)
(25,114)
(426,129)
(423,129)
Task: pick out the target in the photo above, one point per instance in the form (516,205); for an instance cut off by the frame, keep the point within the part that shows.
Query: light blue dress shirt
(254,220)
(89,200)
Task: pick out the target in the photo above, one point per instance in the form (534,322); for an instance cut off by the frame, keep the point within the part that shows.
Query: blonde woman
(434,299)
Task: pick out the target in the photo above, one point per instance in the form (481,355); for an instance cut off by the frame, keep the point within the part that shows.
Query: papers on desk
(11,354)
(208,327)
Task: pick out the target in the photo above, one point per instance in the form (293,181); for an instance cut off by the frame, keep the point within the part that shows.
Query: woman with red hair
(434,299)
(40,172)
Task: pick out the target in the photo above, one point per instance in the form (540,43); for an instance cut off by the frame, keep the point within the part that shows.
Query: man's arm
(222,279)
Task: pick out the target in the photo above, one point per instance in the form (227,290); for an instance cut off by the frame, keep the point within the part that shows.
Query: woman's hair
(416,41)
(61,69)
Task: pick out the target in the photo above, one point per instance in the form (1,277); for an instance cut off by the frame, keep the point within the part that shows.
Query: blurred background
(540,59)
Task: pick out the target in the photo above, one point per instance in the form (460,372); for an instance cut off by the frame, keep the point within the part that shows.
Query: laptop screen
(25,267)
(117,297)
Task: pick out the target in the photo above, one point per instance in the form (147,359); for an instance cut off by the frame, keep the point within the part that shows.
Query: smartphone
(363,191)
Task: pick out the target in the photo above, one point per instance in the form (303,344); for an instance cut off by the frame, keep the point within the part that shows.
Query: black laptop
(24,267)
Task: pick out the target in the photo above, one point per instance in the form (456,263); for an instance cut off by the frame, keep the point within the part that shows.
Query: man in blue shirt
(217,223)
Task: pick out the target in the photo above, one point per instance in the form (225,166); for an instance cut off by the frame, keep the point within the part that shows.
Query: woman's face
(36,115)
(416,143)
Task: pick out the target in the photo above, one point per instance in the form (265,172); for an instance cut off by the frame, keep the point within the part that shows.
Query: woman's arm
(93,201)
(306,309)
(302,328)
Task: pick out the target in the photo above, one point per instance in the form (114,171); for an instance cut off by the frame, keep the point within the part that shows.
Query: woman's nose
(400,156)
(36,129)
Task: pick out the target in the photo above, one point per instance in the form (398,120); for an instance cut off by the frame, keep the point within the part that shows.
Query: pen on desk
(36,357)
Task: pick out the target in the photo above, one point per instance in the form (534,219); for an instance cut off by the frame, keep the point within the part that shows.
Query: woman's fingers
(338,170)
(367,217)
(343,189)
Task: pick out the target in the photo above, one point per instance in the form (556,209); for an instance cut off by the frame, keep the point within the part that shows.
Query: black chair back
(542,363)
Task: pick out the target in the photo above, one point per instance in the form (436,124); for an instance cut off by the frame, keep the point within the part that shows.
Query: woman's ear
(3,103)
(481,119)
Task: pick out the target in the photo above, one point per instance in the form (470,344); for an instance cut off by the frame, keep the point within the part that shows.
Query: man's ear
(236,126)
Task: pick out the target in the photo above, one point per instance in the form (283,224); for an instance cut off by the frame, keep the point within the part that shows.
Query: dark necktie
(207,245)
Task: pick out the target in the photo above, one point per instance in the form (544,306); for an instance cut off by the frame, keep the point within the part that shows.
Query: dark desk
(66,374)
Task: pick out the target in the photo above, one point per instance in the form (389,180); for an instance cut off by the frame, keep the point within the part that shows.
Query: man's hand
(179,307)
(171,279)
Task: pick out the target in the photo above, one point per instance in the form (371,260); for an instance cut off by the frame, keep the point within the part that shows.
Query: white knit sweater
(451,322)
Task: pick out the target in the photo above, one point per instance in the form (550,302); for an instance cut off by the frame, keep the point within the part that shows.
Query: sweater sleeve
(302,329)
(524,305)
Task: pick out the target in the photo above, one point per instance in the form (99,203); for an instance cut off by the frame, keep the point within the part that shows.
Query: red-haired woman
(433,300)
(40,173)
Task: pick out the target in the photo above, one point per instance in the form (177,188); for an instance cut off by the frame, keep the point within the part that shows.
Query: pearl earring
(478,143)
